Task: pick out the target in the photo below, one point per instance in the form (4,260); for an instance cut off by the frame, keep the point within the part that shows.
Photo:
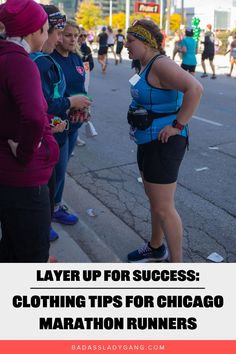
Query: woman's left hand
(166,132)
(59,128)
(79,116)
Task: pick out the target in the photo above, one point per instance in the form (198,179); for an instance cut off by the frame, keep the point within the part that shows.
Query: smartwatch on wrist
(177,125)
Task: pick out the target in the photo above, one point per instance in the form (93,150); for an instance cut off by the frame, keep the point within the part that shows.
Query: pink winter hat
(22,17)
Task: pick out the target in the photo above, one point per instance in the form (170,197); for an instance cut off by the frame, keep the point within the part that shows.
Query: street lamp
(127,14)
(168,5)
(110,13)
(182,12)
(161,14)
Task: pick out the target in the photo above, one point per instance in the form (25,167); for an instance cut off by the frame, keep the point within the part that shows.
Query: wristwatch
(177,125)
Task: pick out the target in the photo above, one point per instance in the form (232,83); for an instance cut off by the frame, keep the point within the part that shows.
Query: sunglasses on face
(83,35)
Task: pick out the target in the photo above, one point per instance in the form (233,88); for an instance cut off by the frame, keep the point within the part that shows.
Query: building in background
(67,6)
(70,6)
(221,14)
(117,6)
(105,6)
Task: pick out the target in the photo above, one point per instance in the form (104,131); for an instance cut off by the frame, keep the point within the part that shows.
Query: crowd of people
(107,41)
(45,65)
(209,44)
(44,99)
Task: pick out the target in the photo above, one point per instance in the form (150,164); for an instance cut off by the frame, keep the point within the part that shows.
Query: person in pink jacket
(28,150)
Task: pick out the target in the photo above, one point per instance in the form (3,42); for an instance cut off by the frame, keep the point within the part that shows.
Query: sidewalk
(93,238)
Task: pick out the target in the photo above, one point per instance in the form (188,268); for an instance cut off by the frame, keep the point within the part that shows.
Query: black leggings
(52,188)
(25,221)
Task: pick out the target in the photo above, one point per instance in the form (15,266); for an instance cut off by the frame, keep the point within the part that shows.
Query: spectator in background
(177,39)
(87,57)
(218,43)
(208,51)
(90,38)
(103,48)
(229,41)
(164,38)
(120,39)
(232,52)
(88,62)
(111,41)
(188,48)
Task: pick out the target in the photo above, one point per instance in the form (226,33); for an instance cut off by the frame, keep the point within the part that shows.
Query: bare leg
(105,63)
(157,232)
(113,52)
(175,51)
(204,66)
(102,61)
(231,69)
(165,217)
(212,66)
(232,66)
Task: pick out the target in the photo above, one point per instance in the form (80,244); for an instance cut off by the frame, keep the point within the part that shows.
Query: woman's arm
(25,86)
(171,76)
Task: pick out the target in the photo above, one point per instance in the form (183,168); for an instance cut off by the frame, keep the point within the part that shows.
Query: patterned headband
(57,20)
(142,34)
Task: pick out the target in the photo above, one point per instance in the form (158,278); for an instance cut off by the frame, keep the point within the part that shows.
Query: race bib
(134,79)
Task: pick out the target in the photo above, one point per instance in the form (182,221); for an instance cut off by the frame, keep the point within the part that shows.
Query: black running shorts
(206,55)
(102,50)
(119,48)
(190,68)
(159,162)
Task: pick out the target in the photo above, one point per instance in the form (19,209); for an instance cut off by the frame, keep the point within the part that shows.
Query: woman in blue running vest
(164,99)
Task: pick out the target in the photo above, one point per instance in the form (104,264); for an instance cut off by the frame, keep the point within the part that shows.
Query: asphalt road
(206,194)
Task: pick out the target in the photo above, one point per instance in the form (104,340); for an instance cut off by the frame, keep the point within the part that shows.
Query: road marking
(201,169)
(208,121)
(213,147)
(140,180)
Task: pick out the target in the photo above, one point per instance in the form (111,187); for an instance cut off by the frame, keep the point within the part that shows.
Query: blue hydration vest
(59,88)
(155,100)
